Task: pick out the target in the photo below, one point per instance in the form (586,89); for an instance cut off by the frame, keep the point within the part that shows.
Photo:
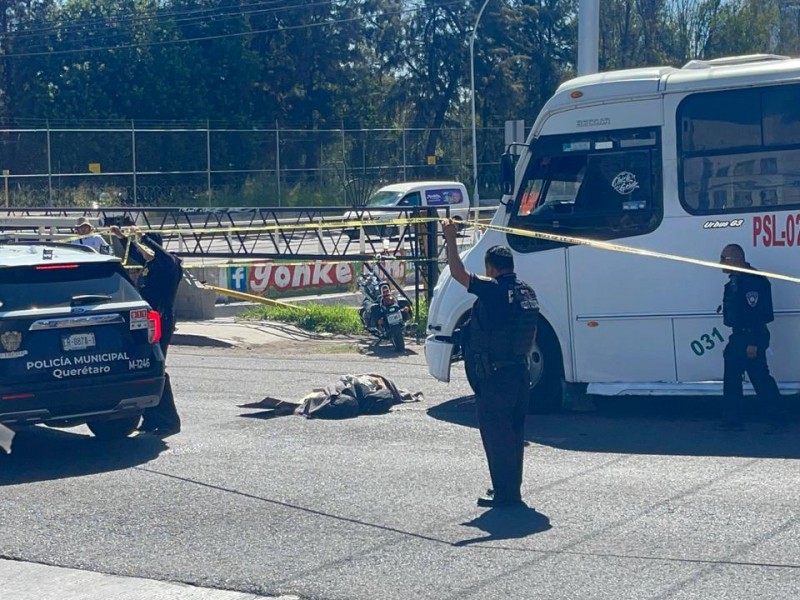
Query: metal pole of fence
(344,166)
(433,254)
(49,167)
(208,159)
(278,160)
(133,160)
(404,152)
(415,255)
(461,150)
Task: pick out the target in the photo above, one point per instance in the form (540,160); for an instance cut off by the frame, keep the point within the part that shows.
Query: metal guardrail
(228,233)
(259,233)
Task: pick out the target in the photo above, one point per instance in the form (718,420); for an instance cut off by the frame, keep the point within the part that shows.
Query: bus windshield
(601,185)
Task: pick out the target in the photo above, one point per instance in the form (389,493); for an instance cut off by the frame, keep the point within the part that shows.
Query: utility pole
(588,36)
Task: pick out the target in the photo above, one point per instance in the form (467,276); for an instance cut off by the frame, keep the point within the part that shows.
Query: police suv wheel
(114,429)
(546,371)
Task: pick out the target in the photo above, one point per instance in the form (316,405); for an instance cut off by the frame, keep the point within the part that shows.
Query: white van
(449,195)
(679,161)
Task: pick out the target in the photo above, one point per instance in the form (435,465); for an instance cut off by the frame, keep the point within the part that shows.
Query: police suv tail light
(153,327)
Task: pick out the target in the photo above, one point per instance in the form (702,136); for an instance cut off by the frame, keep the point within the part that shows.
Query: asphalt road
(630,502)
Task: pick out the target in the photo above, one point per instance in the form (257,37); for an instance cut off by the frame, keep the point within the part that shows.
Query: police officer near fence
(158,284)
(746,309)
(497,346)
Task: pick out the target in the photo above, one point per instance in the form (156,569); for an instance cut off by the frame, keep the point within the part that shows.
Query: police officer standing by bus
(746,309)
(499,339)
(158,284)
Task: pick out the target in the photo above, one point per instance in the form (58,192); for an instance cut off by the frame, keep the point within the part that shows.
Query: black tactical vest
(499,340)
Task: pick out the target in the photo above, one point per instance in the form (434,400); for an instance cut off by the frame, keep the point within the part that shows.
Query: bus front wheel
(547,371)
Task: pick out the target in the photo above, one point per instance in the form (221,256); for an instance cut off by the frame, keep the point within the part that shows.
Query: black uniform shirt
(159,279)
(495,298)
(747,305)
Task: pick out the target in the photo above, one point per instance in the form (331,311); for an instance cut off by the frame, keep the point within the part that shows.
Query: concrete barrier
(194,301)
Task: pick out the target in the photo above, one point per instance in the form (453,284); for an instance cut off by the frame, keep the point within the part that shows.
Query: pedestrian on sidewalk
(89,237)
(501,332)
(158,284)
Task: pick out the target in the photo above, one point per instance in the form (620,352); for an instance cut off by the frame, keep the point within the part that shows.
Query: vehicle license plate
(394,318)
(77,341)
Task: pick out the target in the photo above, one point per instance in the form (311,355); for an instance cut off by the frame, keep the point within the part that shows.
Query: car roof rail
(12,242)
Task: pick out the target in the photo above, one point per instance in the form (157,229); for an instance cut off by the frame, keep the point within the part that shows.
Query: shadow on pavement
(665,426)
(506,524)
(42,454)
(384,351)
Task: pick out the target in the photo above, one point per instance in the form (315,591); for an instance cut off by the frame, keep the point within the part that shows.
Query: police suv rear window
(49,285)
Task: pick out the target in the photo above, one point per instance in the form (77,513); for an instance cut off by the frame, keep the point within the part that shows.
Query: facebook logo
(238,279)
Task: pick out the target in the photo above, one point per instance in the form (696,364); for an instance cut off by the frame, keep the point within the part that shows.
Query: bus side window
(739,151)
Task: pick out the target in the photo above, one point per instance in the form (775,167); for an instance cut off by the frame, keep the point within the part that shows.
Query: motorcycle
(381,312)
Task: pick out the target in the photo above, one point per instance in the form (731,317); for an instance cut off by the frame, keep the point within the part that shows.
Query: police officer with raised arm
(500,336)
(746,309)
(158,284)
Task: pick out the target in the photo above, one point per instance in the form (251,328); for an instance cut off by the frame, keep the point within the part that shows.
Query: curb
(190,339)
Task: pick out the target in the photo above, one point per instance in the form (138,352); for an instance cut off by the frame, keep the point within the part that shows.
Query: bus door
(604,186)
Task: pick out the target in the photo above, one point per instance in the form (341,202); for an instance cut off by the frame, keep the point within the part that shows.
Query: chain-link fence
(207,166)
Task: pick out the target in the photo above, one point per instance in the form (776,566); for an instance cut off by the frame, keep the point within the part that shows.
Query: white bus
(680,161)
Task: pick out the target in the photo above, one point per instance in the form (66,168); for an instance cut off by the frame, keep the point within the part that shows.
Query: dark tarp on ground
(349,396)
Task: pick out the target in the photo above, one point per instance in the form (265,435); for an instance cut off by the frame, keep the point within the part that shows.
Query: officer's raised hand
(457,270)
(449,231)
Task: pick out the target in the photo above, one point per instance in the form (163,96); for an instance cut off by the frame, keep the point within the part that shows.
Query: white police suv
(77,342)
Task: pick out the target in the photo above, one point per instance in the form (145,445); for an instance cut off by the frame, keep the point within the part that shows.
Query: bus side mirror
(507,163)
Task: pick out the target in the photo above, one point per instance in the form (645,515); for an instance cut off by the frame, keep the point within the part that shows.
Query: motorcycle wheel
(398,341)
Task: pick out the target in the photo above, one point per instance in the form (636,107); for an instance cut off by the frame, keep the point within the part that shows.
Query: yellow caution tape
(564,239)
(280,227)
(255,262)
(253,298)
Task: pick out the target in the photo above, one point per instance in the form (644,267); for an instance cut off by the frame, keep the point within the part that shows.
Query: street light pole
(472,88)
(588,36)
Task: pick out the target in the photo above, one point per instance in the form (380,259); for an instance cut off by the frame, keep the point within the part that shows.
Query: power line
(146,16)
(219,36)
(114,26)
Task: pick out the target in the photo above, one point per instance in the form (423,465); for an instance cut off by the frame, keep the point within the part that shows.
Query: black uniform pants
(501,406)
(164,415)
(736,363)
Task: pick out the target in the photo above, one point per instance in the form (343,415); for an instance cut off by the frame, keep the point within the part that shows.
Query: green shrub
(324,318)
(320,318)
(422,321)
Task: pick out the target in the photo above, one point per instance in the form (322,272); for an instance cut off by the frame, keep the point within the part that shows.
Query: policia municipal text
(497,344)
